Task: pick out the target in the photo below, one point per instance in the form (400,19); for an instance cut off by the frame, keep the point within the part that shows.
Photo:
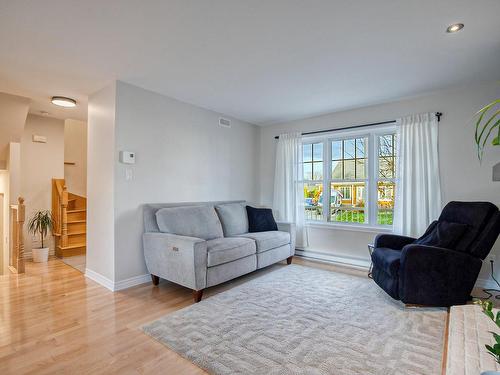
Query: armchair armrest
(392,241)
(290,228)
(436,276)
(180,259)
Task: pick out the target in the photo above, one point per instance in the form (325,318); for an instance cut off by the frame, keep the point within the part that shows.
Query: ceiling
(259,61)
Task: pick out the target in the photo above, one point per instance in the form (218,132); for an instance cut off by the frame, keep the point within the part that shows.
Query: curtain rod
(438,115)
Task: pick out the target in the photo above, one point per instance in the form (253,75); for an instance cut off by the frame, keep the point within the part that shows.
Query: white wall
(462,176)
(40,163)
(100,182)
(75,151)
(182,155)
(13,112)
(14,168)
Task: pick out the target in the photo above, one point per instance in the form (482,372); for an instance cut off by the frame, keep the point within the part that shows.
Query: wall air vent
(224,122)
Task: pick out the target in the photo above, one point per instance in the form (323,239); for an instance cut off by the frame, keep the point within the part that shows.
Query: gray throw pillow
(233,217)
(192,221)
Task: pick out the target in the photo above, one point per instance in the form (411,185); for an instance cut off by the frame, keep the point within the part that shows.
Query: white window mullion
(327,170)
(372,179)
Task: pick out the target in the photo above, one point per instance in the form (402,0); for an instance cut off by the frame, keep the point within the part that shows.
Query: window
(386,178)
(357,173)
(348,179)
(313,180)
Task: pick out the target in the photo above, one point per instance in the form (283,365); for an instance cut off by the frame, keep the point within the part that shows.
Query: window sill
(349,227)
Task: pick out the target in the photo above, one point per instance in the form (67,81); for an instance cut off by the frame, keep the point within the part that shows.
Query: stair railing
(60,211)
(17,215)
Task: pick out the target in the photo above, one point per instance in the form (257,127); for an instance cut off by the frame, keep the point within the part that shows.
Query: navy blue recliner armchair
(441,267)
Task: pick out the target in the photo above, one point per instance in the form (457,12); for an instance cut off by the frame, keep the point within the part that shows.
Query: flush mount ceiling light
(455,27)
(62,101)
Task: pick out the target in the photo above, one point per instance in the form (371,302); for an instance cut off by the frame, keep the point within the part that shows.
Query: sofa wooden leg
(197,294)
(156,279)
(289,260)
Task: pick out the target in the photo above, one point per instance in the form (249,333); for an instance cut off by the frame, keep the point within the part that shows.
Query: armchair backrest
(483,220)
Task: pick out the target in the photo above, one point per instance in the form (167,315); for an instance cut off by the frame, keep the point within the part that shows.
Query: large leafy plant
(487,124)
(40,223)
(487,307)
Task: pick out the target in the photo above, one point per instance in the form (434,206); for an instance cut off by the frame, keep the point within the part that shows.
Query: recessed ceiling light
(44,113)
(62,101)
(455,27)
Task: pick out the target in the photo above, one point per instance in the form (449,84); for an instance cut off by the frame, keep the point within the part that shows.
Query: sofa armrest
(180,259)
(392,241)
(436,276)
(290,228)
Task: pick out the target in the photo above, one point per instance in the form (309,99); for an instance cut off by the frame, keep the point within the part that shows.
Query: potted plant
(487,126)
(493,349)
(40,223)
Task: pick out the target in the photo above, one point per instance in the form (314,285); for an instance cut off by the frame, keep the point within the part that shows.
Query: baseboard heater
(362,264)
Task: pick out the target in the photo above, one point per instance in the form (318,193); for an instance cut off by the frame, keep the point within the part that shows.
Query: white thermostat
(127,157)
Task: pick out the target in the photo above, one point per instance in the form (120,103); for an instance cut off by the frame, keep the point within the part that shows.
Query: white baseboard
(133,281)
(100,279)
(115,286)
(362,264)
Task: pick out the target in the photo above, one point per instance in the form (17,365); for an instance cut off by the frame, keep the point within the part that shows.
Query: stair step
(75,246)
(77,233)
(72,211)
(76,221)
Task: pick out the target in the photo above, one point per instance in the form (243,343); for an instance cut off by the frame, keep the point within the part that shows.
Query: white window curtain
(288,201)
(418,189)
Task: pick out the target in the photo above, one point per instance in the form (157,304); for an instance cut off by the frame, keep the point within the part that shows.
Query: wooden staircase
(70,217)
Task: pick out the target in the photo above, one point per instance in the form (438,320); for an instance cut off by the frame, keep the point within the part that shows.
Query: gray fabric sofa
(202,244)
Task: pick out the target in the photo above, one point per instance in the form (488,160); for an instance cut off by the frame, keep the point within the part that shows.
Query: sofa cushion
(268,240)
(192,221)
(388,260)
(223,250)
(260,219)
(233,217)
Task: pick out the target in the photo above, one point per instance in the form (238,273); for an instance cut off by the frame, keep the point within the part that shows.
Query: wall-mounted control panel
(127,157)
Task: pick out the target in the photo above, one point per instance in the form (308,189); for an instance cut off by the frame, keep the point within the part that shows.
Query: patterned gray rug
(302,320)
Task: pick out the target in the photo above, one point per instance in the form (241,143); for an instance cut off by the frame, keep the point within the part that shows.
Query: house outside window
(357,172)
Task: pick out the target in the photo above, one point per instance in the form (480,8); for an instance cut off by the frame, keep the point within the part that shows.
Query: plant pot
(40,255)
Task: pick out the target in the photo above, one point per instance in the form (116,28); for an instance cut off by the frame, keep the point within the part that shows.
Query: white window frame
(371,180)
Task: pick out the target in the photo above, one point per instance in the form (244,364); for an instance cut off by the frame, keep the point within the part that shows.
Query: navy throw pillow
(443,234)
(260,219)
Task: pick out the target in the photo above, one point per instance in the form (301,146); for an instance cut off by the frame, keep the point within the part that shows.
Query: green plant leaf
(40,223)
(490,349)
(496,336)
(489,132)
(496,140)
(481,129)
(489,313)
(488,106)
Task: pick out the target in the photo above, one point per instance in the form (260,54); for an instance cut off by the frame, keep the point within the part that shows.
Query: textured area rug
(302,320)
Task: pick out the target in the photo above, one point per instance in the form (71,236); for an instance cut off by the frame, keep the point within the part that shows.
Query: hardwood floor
(53,320)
